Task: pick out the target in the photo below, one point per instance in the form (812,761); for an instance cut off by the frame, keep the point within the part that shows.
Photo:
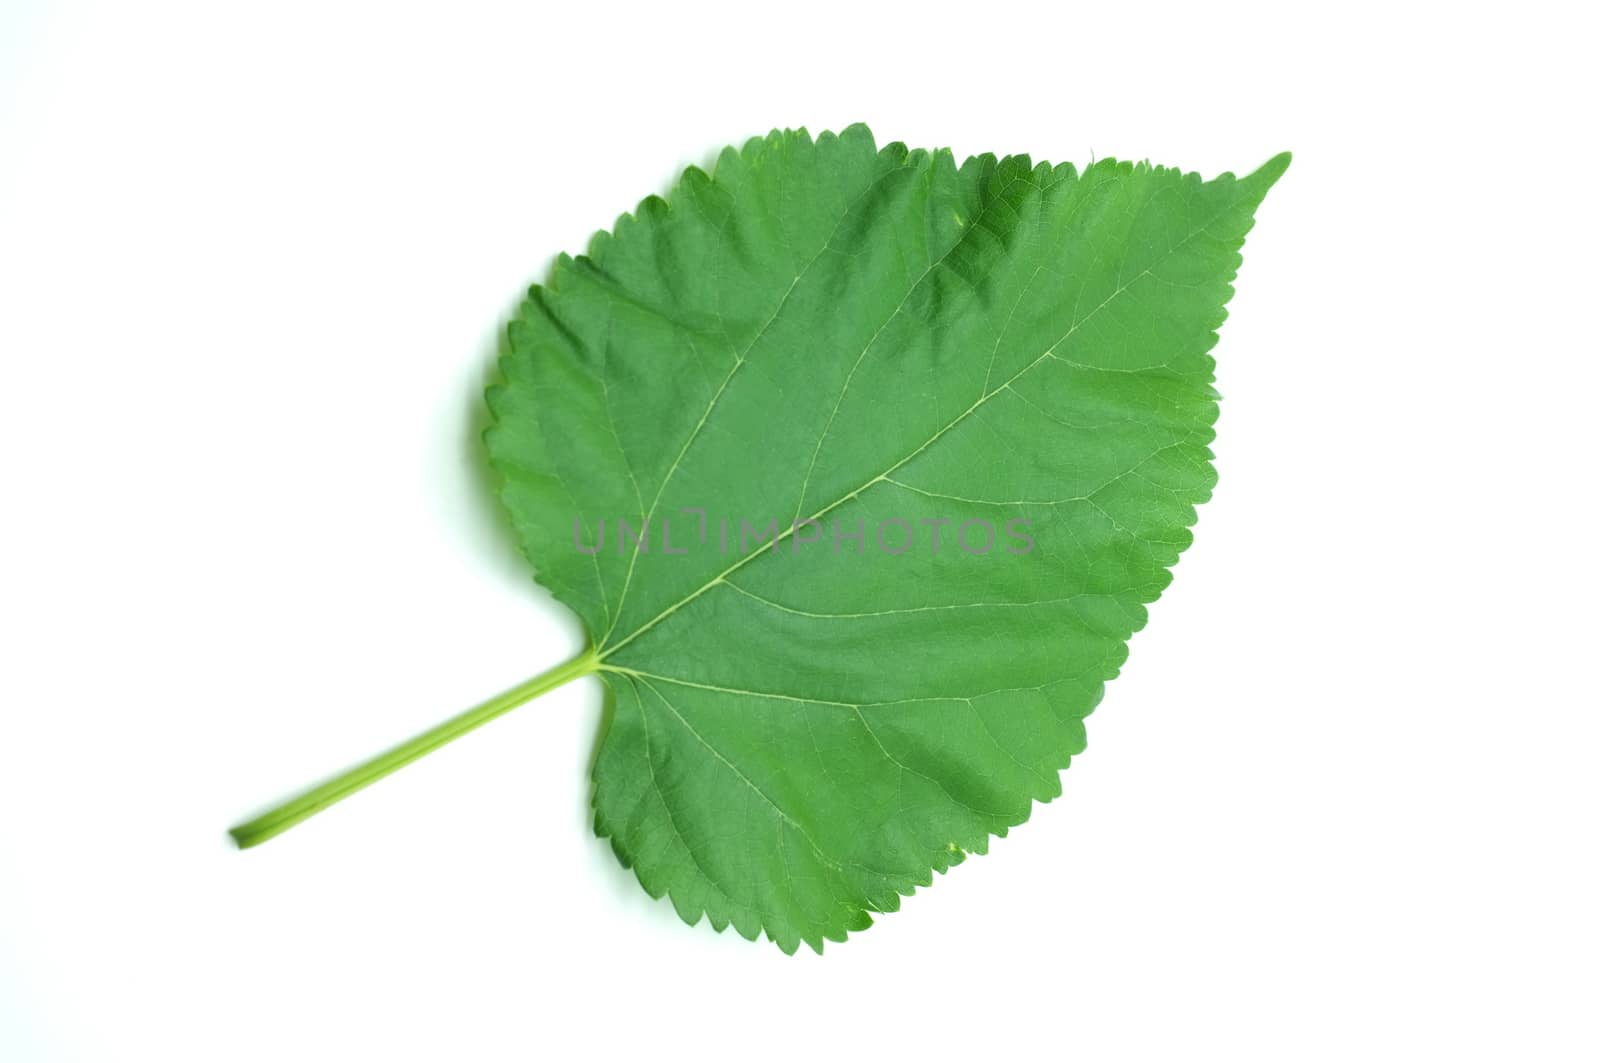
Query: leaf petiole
(298,809)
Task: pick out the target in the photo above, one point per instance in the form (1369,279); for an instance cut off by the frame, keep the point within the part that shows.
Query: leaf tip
(1269,172)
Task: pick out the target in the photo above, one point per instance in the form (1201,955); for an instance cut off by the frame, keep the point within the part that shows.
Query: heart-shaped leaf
(860,467)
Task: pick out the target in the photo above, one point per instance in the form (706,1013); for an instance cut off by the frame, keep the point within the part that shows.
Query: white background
(253,262)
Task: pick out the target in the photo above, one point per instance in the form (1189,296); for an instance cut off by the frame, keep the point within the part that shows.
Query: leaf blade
(827,330)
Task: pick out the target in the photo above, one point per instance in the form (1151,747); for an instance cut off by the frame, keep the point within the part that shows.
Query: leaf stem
(298,809)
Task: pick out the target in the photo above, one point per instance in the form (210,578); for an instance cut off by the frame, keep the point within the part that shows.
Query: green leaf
(972,403)
(824,330)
